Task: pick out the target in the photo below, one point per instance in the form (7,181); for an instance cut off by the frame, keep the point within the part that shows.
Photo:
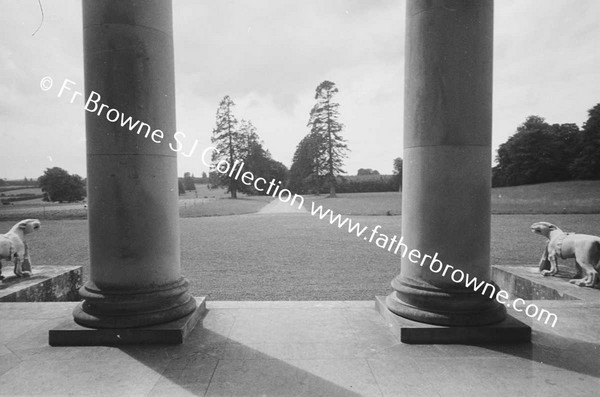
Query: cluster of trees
(367,171)
(539,152)
(368,180)
(319,156)
(58,185)
(372,183)
(189,182)
(240,143)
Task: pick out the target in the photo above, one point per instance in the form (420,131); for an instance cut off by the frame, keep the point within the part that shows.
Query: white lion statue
(583,247)
(13,247)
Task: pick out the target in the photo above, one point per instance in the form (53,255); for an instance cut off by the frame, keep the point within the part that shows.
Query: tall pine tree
(249,137)
(229,142)
(324,123)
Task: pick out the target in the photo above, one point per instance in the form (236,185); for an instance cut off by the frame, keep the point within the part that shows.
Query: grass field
(575,197)
(205,203)
(15,190)
(265,257)
(299,257)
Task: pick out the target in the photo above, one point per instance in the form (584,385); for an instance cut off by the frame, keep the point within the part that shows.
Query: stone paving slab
(296,349)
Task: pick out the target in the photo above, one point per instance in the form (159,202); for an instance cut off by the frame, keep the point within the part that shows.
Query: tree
(538,152)
(397,177)
(204,178)
(587,163)
(323,122)
(249,136)
(260,163)
(304,172)
(213,180)
(257,159)
(58,185)
(229,143)
(367,171)
(188,182)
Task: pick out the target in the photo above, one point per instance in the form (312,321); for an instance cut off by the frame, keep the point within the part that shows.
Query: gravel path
(279,207)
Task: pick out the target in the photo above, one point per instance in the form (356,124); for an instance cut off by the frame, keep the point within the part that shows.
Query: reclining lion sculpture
(13,246)
(583,247)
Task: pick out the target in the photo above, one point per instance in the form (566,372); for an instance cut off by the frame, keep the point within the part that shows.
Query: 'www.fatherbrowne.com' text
(396,244)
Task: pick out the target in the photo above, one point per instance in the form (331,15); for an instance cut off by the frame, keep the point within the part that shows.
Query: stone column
(447,161)
(133,214)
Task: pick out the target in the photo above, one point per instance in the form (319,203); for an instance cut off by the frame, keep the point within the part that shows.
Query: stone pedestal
(508,331)
(173,332)
(133,215)
(447,162)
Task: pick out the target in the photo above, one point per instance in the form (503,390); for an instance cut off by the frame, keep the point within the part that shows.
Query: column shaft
(447,153)
(132,172)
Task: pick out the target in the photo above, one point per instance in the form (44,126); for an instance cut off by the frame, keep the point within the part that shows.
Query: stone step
(46,284)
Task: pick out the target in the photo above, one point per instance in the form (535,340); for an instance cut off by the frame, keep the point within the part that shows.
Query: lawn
(294,257)
(380,203)
(191,208)
(271,257)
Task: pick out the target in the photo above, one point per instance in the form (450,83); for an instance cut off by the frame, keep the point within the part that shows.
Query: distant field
(359,203)
(15,190)
(575,197)
(293,257)
(202,191)
(206,202)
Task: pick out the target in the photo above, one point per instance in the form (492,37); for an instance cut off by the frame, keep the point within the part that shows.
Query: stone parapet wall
(47,284)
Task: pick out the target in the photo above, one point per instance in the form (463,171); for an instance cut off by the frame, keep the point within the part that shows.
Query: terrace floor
(299,348)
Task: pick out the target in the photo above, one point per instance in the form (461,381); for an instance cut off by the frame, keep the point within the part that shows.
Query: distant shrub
(21,197)
(365,183)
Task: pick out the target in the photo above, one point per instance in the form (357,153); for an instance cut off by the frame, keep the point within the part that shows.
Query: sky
(269,56)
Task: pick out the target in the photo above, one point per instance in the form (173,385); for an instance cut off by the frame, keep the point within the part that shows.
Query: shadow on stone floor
(558,351)
(209,363)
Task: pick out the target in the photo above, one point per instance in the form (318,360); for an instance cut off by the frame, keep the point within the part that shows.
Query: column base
(426,303)
(508,331)
(174,332)
(133,308)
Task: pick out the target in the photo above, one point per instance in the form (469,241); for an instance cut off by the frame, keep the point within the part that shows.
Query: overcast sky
(269,56)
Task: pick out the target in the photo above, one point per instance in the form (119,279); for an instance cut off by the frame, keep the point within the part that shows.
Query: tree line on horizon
(540,152)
